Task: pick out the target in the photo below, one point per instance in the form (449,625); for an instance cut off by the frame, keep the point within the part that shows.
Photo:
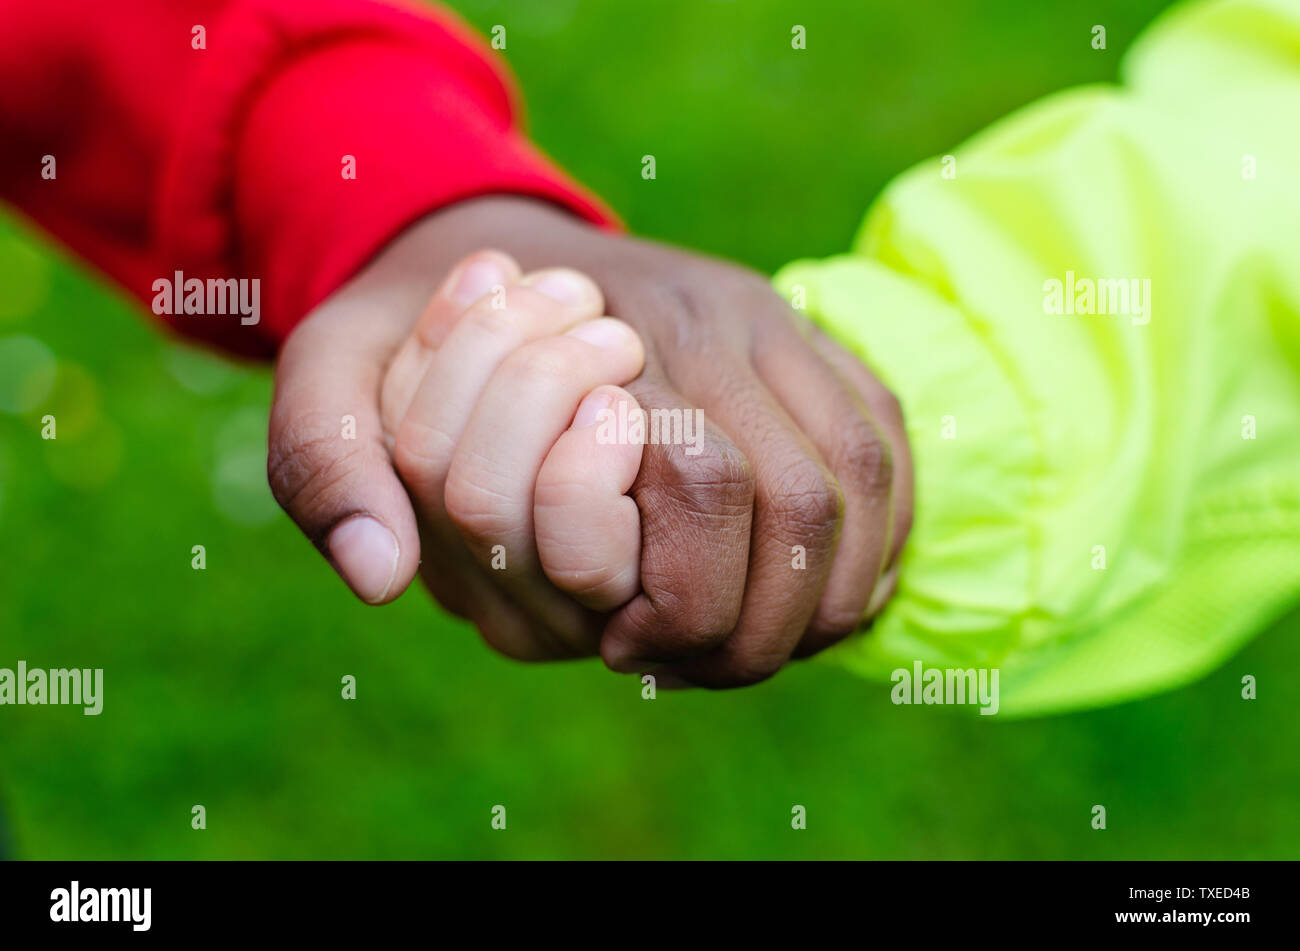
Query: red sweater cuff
(262,183)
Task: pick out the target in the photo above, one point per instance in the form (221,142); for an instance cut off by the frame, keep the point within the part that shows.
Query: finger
(796,519)
(491,482)
(540,304)
(480,274)
(695,500)
(520,415)
(327,464)
(840,426)
(588,528)
(459,587)
(888,416)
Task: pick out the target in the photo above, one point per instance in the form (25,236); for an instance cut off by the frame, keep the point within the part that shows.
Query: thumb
(327,462)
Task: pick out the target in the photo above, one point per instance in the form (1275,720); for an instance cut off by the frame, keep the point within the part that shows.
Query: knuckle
(807,500)
(486,319)
(862,459)
(831,625)
(693,507)
(307,458)
(719,474)
(693,625)
(420,454)
(756,670)
(586,580)
(546,362)
(477,512)
(556,495)
(676,626)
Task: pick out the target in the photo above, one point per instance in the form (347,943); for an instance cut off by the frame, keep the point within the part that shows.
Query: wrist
(533,231)
(397,283)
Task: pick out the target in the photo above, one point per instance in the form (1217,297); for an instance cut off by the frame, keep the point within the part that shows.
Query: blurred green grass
(222,686)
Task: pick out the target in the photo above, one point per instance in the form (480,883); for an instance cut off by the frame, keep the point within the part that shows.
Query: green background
(223,686)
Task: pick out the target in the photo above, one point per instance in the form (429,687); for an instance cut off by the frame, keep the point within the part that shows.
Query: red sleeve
(215,138)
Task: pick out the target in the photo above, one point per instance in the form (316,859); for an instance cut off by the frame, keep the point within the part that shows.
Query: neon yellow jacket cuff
(1091,315)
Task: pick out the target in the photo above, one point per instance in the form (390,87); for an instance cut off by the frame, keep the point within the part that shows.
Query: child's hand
(493,408)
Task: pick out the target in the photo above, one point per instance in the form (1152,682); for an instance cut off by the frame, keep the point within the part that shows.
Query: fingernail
(589,409)
(477,279)
(605,332)
(365,553)
(567,287)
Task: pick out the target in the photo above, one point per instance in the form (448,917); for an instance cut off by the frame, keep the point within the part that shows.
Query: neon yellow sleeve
(1091,314)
